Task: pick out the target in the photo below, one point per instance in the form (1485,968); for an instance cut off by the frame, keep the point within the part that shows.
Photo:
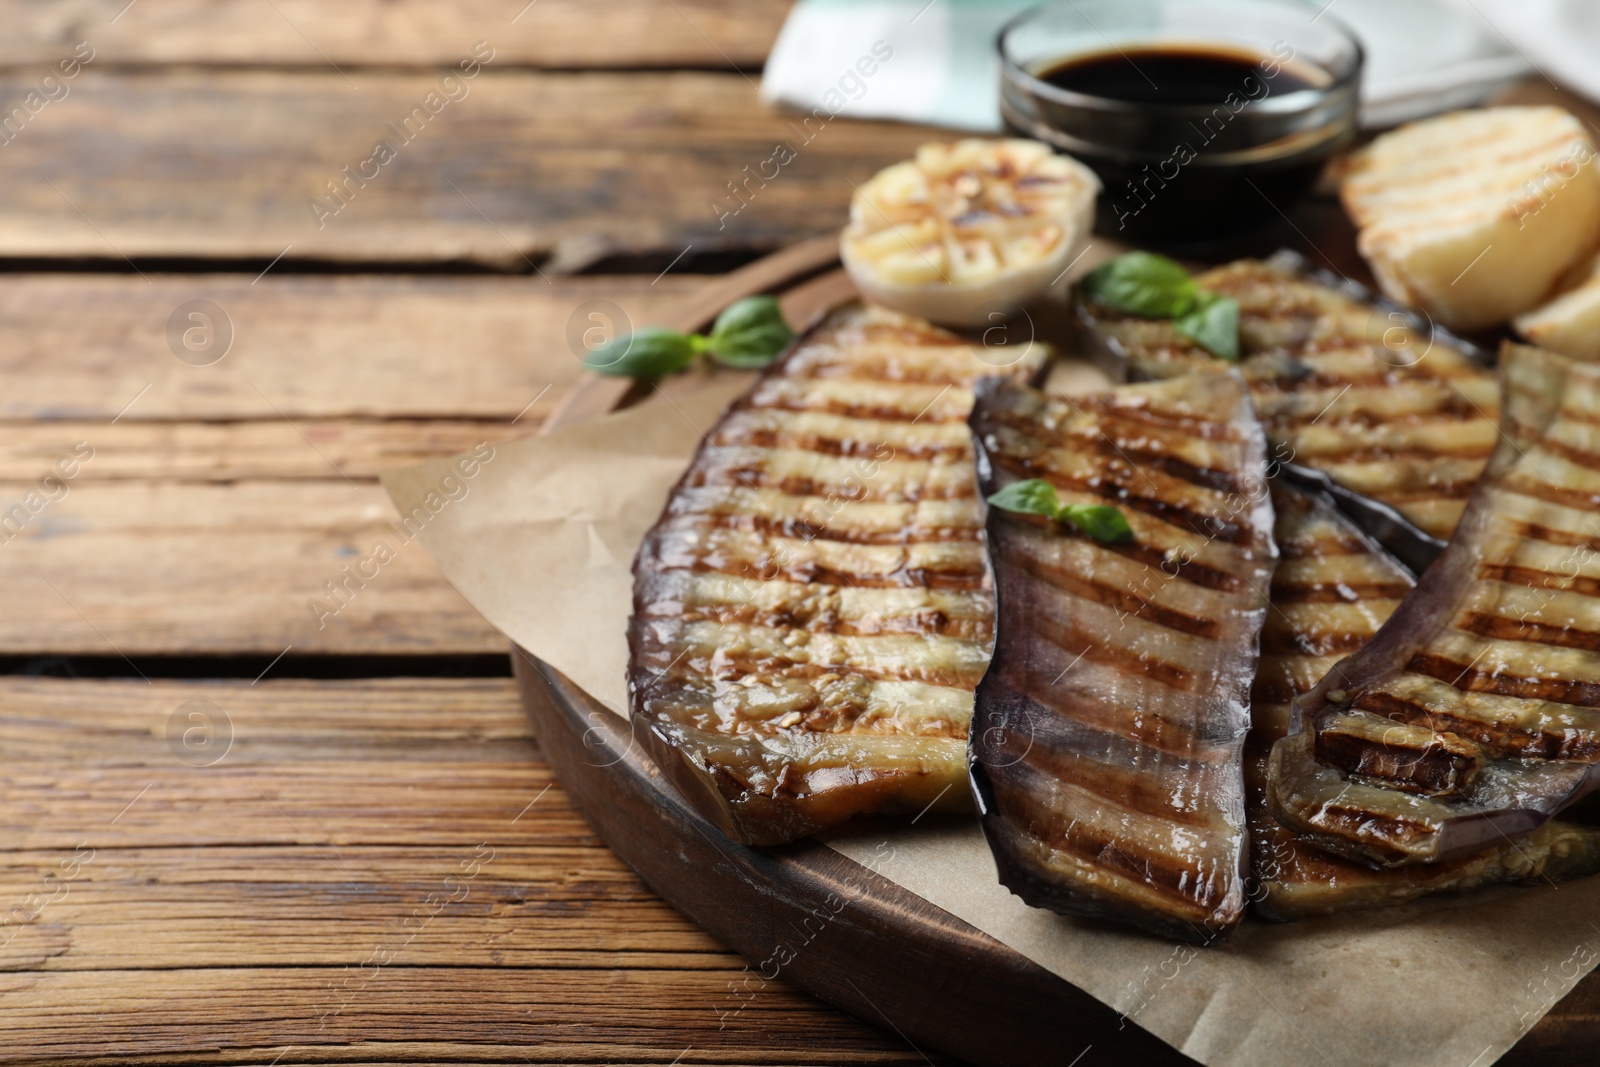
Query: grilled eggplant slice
(815,606)
(1109,730)
(1331,592)
(1474,714)
(1394,412)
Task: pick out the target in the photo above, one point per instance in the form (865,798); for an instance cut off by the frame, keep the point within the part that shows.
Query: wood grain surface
(234,909)
(216,507)
(735,34)
(134,167)
(324,888)
(309,346)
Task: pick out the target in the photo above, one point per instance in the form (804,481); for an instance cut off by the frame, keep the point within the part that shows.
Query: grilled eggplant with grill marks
(1331,592)
(1387,409)
(1108,733)
(1474,714)
(815,606)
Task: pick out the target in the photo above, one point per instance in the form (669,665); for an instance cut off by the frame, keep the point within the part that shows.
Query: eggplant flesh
(1333,588)
(1399,416)
(1473,715)
(1108,732)
(814,607)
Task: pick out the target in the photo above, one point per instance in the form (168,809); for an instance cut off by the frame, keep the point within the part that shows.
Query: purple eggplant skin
(814,607)
(1333,589)
(1391,415)
(1105,755)
(1473,715)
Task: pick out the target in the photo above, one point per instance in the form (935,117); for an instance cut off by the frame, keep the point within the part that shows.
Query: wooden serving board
(807,915)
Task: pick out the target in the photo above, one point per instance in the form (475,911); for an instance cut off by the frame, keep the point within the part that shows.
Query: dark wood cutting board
(807,915)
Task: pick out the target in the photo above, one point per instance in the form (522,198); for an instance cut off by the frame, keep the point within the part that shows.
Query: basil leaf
(1100,521)
(1034,496)
(652,352)
(1213,325)
(750,333)
(1143,283)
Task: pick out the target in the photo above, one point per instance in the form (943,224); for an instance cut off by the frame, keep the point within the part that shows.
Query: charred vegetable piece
(815,605)
(1474,714)
(1397,414)
(969,231)
(1331,592)
(1109,730)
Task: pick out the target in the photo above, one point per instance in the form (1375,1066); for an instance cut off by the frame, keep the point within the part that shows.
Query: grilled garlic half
(968,229)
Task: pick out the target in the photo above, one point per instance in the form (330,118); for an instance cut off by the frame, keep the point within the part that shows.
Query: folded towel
(934,61)
(1558,38)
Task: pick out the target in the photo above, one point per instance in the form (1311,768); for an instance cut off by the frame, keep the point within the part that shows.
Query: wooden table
(237,828)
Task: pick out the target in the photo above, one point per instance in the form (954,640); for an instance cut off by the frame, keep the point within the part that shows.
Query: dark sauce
(1187,155)
(1174,75)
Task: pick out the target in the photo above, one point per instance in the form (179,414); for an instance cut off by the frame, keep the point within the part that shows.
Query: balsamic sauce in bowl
(1179,74)
(1204,119)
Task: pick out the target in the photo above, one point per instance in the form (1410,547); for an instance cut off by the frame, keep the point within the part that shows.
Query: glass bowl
(1184,165)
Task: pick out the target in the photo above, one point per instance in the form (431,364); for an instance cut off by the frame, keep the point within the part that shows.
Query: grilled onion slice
(968,230)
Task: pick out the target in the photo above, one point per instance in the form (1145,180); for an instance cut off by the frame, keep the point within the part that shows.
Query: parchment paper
(540,537)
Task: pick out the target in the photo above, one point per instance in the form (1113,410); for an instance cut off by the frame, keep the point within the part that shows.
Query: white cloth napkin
(934,61)
(1558,38)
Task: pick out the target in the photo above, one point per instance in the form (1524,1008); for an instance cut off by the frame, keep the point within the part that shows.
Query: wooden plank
(328,379)
(276,902)
(534,906)
(229,164)
(136,569)
(237,451)
(354,33)
(93,346)
(430,1015)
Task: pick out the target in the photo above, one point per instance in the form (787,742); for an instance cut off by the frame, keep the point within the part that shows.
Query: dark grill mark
(1356,453)
(742,666)
(1097,648)
(794,485)
(1147,794)
(766,437)
(667,696)
(1113,490)
(1499,740)
(1122,600)
(1550,535)
(1503,629)
(1191,571)
(1530,578)
(1540,489)
(972,578)
(923,622)
(1455,489)
(1107,409)
(1091,439)
(1440,766)
(845,370)
(803,530)
(1153,557)
(1318,548)
(1467,677)
(1536,438)
(1096,849)
(854,411)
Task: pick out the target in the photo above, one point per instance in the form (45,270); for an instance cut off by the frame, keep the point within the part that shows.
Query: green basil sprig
(1035,496)
(1155,287)
(748,334)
